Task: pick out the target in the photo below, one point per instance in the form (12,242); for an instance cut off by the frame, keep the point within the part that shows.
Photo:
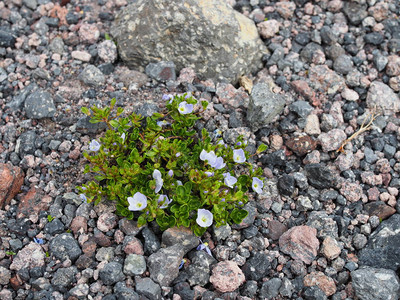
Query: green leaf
(107,37)
(237,215)
(114,123)
(85,110)
(113,101)
(204,104)
(198,231)
(262,148)
(141,220)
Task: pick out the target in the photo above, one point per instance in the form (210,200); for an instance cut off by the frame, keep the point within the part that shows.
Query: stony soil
(327,223)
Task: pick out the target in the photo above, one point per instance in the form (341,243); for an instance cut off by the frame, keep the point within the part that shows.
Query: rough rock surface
(11,179)
(193,29)
(227,276)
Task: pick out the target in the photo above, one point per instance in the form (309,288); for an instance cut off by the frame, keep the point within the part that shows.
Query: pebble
(134,265)
(39,105)
(92,76)
(325,283)
(111,273)
(227,276)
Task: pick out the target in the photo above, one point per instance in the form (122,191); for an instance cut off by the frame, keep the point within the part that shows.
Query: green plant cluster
(159,168)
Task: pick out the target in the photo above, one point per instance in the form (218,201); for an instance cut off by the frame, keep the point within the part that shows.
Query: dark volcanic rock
(320,176)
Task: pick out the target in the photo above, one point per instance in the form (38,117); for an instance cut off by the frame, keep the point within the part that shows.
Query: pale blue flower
(214,160)
(123,136)
(239,156)
(188,95)
(94,146)
(185,108)
(219,164)
(166,97)
(178,154)
(204,246)
(162,123)
(182,263)
(178,183)
(257,185)
(137,202)
(204,217)
(164,201)
(83,197)
(209,174)
(38,241)
(159,180)
(170,173)
(230,180)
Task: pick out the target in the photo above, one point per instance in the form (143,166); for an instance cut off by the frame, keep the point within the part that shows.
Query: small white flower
(137,202)
(239,156)
(159,180)
(219,164)
(123,136)
(230,180)
(178,154)
(185,108)
(83,197)
(204,217)
(94,146)
(257,185)
(178,183)
(209,174)
(170,173)
(164,201)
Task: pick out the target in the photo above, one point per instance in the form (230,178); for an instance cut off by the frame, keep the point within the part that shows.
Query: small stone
(393,65)
(107,221)
(227,277)
(64,277)
(350,95)
(39,105)
(374,38)
(332,140)
(111,273)
(5,276)
(270,288)
(89,33)
(80,291)
(352,191)
(276,229)
(107,51)
(359,241)
(268,29)
(320,176)
(300,242)
(312,125)
(343,64)
(105,254)
(325,80)
(11,180)
(81,55)
(134,265)
(330,248)
(148,288)
(301,145)
(325,283)
(379,209)
(32,255)
(64,246)
(7,39)
(301,108)
(92,76)
(182,236)
(381,97)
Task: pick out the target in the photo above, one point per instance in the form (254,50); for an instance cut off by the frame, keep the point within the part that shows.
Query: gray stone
(264,106)
(270,288)
(7,39)
(190,36)
(134,265)
(328,36)
(343,64)
(309,51)
(164,264)
(199,270)
(375,284)
(64,246)
(257,266)
(54,227)
(286,289)
(124,293)
(354,11)
(222,232)
(162,71)
(302,108)
(382,98)
(92,76)
(5,276)
(151,242)
(26,143)
(181,236)
(105,254)
(80,291)
(380,61)
(111,273)
(57,45)
(39,105)
(148,288)
(325,225)
(64,277)
(32,4)
(320,176)
(383,248)
(83,125)
(314,293)
(19,99)
(374,38)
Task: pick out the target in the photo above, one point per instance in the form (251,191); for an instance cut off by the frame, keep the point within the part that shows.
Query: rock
(107,221)
(151,242)
(122,292)
(325,80)
(33,202)
(162,71)
(393,65)
(227,276)
(89,33)
(301,145)
(132,245)
(57,45)
(355,12)
(92,76)
(64,277)
(325,283)
(64,246)
(257,266)
(222,232)
(148,288)
(300,242)
(332,140)
(80,291)
(330,248)
(39,105)
(131,78)
(11,180)
(350,95)
(301,108)
(325,225)
(164,264)
(54,227)
(7,39)
(270,288)
(312,125)
(143,36)
(134,265)
(380,61)
(198,271)
(5,276)
(359,241)
(264,106)
(111,273)
(32,255)
(380,209)
(81,55)
(320,176)
(375,284)
(183,236)
(343,64)
(249,220)
(276,229)
(229,95)
(311,52)
(314,293)
(107,51)
(382,97)
(374,38)
(383,248)
(286,185)
(268,29)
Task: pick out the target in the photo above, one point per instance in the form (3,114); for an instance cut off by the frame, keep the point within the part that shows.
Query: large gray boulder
(206,35)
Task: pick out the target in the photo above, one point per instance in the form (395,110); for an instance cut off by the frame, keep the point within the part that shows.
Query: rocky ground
(328,222)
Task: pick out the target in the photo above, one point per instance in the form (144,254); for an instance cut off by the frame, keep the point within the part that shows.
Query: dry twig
(362,129)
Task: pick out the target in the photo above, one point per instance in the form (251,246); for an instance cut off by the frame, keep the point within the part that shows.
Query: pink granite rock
(325,283)
(227,276)
(300,242)
(107,221)
(30,256)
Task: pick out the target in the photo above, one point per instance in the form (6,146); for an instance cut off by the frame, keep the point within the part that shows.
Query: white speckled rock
(206,35)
